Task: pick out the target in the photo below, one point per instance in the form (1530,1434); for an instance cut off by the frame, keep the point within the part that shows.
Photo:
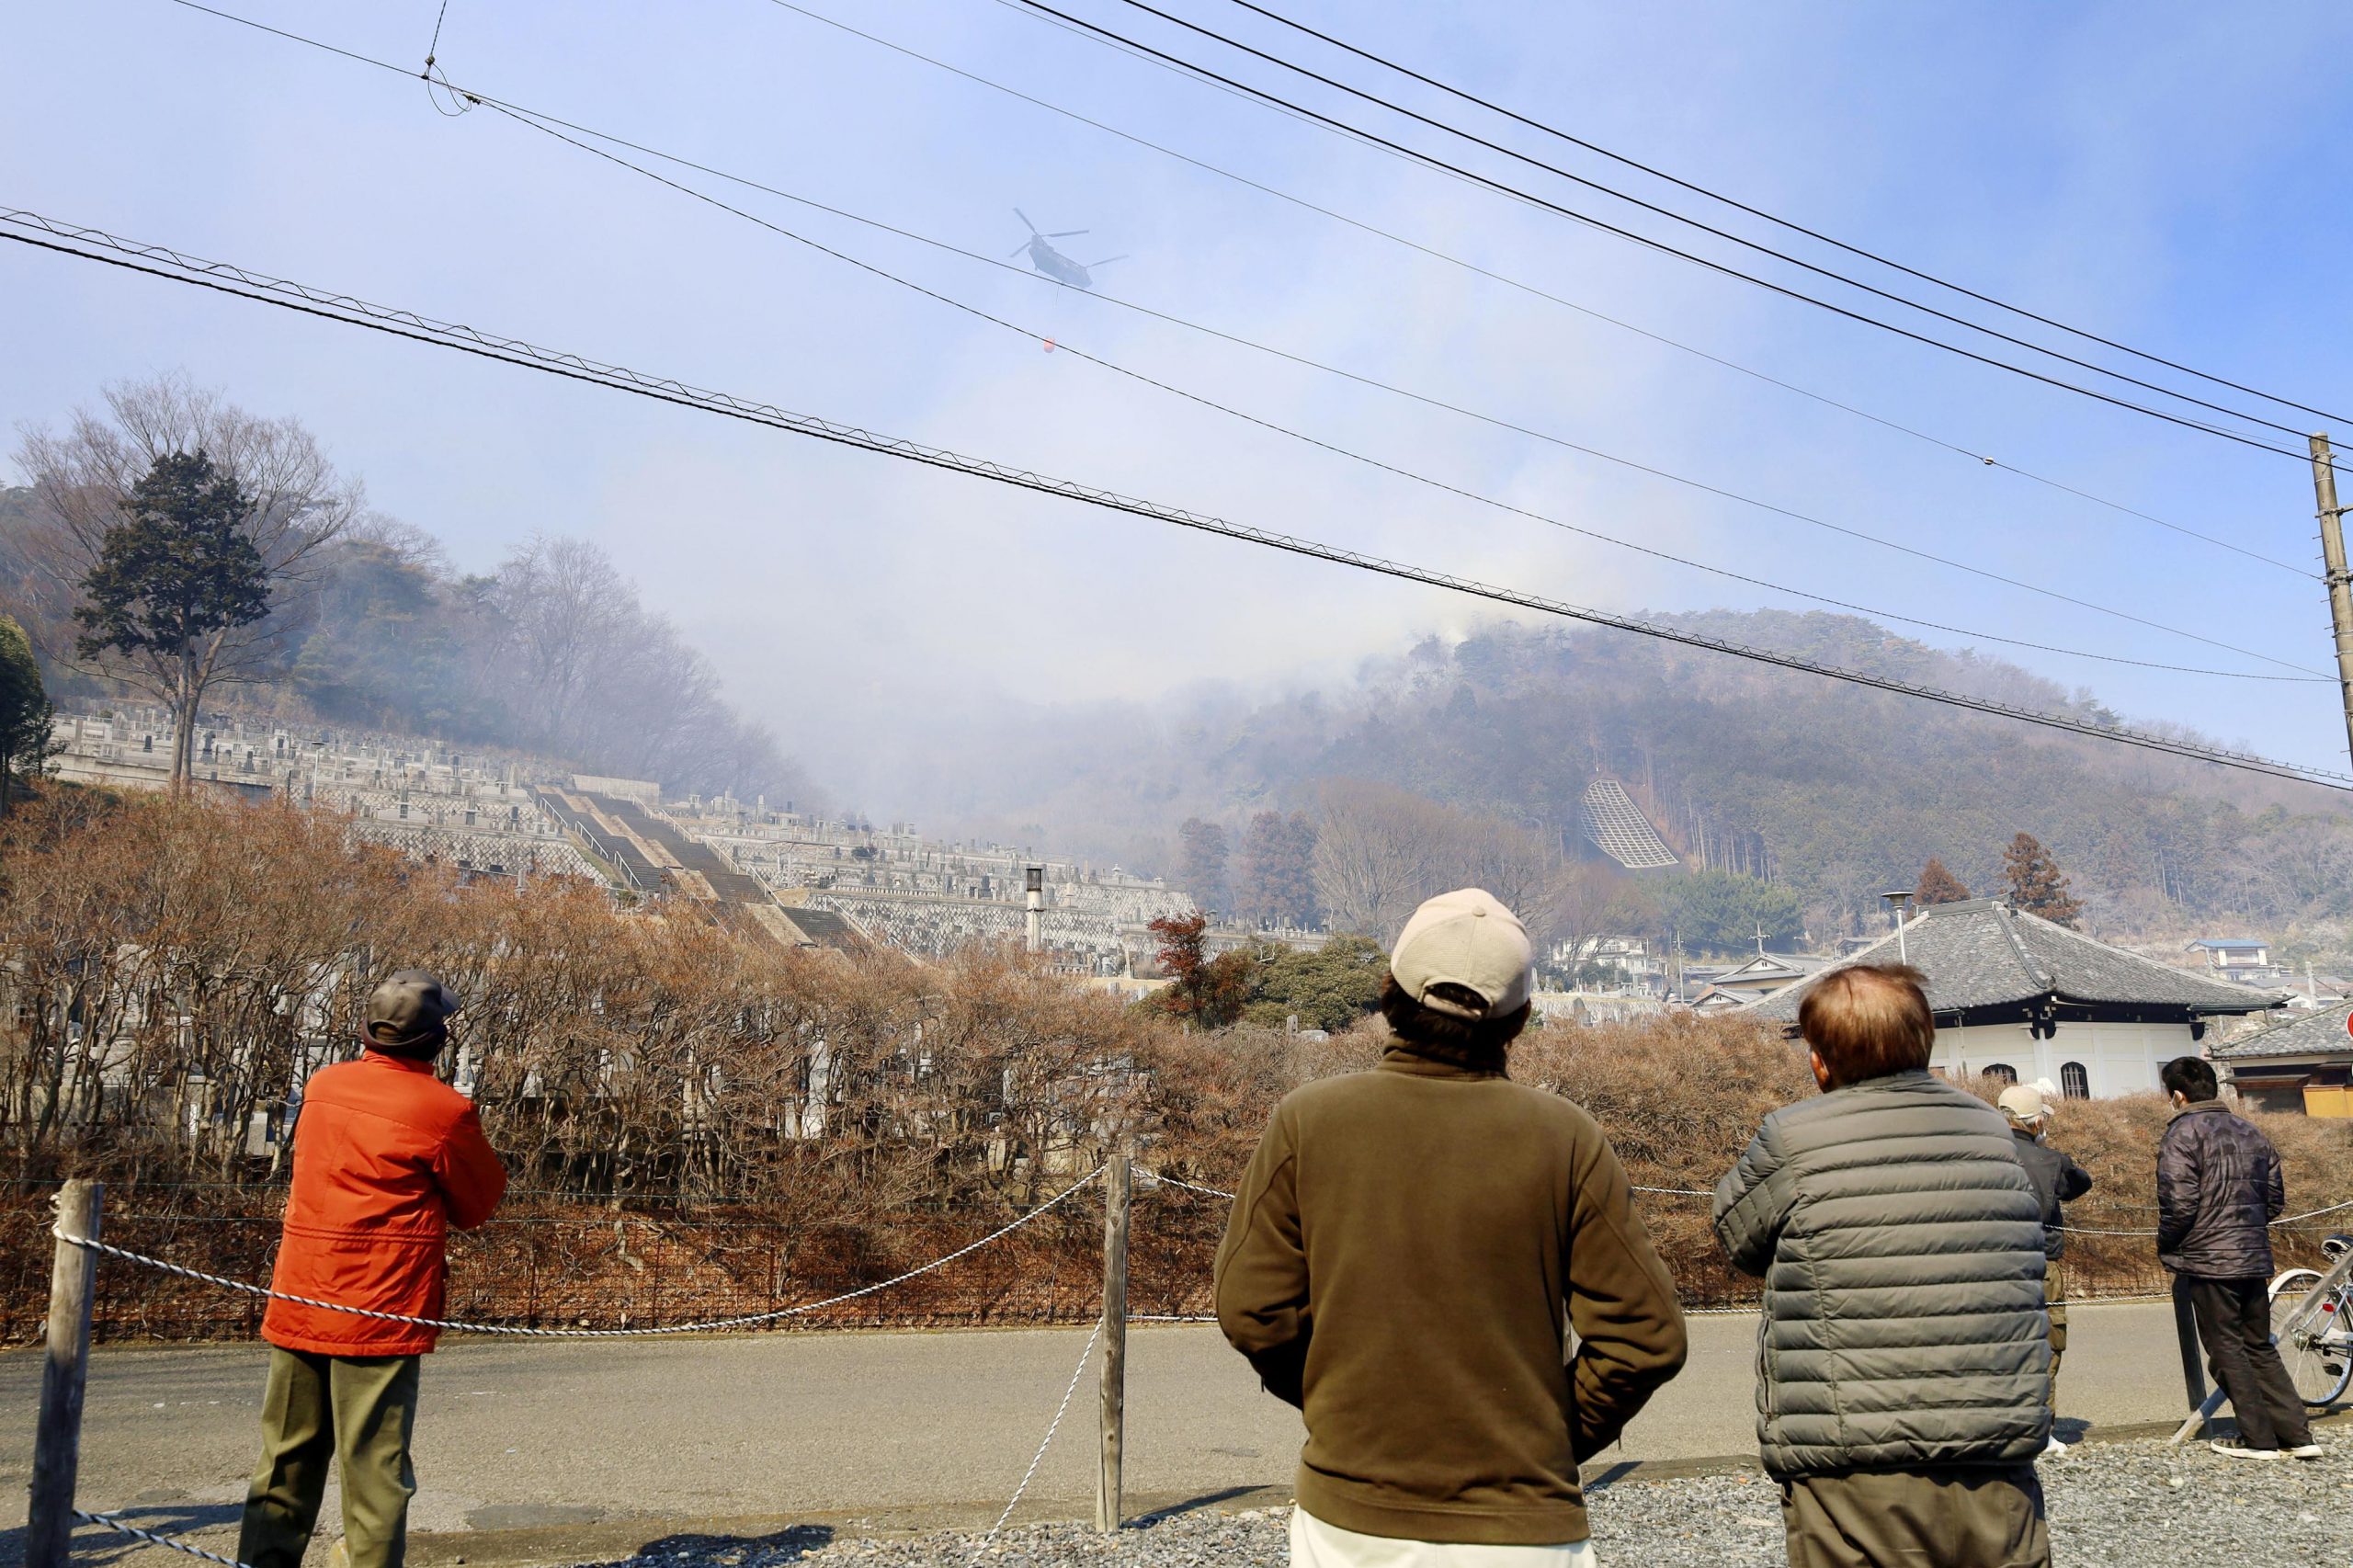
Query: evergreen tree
(1721,912)
(26,715)
(175,574)
(1278,878)
(2037,884)
(1938,885)
(1200,863)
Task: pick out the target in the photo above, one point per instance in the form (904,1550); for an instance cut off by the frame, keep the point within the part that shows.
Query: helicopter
(1054,262)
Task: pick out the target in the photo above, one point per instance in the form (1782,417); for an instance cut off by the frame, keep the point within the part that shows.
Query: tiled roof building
(2018,996)
(2302,1061)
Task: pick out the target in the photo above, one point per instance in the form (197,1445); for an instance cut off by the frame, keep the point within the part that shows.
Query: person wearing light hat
(2057,1180)
(1409,1248)
(387,1158)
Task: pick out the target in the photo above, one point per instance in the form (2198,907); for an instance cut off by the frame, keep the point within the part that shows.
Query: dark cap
(409,1014)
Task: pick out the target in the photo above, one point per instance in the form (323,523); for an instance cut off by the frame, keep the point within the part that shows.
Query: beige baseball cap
(2023,1102)
(1468,939)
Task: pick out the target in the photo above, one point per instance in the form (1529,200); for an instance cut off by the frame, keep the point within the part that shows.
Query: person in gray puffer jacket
(1904,1359)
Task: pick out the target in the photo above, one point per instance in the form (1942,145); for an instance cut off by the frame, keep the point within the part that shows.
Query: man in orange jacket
(386,1158)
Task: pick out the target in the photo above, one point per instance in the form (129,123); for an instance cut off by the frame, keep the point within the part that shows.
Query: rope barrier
(1156,1179)
(184,1272)
(1035,1460)
(152,1539)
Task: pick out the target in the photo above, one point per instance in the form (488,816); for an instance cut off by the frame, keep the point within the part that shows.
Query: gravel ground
(2135,1505)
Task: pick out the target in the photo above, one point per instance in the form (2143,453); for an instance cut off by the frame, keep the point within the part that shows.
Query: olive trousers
(358,1411)
(1955,1517)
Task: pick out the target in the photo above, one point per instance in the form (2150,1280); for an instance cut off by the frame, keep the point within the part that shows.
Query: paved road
(542,1434)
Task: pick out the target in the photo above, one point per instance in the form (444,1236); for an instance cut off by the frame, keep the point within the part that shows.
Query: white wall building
(2020,997)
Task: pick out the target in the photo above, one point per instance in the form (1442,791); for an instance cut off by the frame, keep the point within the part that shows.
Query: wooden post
(2339,577)
(1115,1341)
(65,1367)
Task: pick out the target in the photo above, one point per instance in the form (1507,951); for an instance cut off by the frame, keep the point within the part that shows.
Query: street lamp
(1896,899)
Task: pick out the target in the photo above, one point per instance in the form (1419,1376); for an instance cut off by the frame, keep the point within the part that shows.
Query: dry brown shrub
(701,1122)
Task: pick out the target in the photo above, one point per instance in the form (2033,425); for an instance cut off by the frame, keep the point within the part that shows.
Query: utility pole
(2340,581)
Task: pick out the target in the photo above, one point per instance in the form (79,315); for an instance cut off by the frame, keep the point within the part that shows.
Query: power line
(1692,222)
(92,244)
(978,314)
(461,98)
(547,124)
(1041,11)
(1688,221)
(1530,289)
(1779,221)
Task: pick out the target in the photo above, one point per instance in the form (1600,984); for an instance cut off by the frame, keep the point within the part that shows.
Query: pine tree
(172,577)
(1200,863)
(1938,885)
(2037,884)
(26,715)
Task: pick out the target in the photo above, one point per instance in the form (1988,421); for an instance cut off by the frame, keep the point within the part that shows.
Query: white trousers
(1314,1544)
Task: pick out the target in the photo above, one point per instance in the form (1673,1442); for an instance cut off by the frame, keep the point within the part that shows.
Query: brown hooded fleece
(1408,1249)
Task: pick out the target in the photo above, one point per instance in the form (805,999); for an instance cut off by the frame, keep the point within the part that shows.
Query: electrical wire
(548,125)
(1671,215)
(1039,10)
(94,246)
(1705,228)
(1523,287)
(1065,346)
(463,99)
(1777,220)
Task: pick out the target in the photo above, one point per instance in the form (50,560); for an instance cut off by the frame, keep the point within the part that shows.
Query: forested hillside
(1833,792)
(318,608)
(551,653)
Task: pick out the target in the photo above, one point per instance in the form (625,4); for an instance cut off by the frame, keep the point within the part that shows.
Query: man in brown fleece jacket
(1408,1249)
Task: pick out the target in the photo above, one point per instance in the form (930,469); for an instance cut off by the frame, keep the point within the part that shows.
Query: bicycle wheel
(2319,1356)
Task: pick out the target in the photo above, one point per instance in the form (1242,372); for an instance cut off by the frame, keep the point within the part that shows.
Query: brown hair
(1442,1037)
(1867,1021)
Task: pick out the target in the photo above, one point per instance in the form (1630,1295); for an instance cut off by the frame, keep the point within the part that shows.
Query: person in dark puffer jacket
(1904,1359)
(2058,1180)
(2218,1189)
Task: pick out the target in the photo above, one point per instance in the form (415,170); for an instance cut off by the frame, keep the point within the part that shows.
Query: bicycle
(2312,1322)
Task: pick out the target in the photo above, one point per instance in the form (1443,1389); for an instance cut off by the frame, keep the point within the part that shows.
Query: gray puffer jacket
(2218,1189)
(1901,1245)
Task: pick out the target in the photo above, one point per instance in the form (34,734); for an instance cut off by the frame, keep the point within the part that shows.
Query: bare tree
(1379,851)
(295,503)
(564,610)
(1520,866)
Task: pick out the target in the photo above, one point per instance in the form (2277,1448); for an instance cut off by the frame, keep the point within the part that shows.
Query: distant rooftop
(2309,1032)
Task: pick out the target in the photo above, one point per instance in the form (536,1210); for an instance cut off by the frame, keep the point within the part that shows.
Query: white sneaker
(2309,1451)
(2241,1452)
(2055,1448)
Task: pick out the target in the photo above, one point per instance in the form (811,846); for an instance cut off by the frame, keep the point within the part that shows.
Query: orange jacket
(386,1158)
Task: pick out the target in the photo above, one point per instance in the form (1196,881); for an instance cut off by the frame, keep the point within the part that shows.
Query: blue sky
(2167,175)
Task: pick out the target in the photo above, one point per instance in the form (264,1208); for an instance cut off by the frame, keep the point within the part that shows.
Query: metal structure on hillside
(1613,823)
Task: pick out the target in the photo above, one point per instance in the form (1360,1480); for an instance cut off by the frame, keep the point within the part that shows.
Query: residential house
(1759,976)
(2229,954)
(2302,1061)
